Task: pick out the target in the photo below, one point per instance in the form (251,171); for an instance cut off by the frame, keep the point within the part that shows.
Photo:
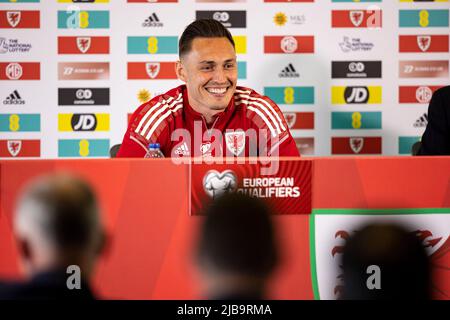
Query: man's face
(210,72)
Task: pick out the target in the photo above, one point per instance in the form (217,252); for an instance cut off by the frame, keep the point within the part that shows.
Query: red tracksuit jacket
(251,125)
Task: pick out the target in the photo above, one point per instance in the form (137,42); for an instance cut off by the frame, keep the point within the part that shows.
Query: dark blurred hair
(64,208)
(400,255)
(203,28)
(238,236)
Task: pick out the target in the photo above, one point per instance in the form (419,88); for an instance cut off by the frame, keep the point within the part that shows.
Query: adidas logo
(14,98)
(289,72)
(422,121)
(152,21)
(182,150)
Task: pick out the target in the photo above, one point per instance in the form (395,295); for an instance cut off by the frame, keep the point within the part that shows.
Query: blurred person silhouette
(436,138)
(404,266)
(56,225)
(236,249)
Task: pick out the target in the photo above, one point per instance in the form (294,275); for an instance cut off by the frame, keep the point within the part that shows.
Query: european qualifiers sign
(286,187)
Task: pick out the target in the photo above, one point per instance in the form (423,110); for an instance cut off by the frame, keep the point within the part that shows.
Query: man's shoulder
(261,110)
(249,92)
(157,111)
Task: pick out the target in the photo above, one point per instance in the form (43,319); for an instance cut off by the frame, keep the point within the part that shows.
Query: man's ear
(181,72)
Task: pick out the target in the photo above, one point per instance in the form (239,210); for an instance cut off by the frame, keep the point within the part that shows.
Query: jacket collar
(224,116)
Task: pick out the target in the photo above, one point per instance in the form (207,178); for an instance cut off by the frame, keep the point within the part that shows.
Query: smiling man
(209,116)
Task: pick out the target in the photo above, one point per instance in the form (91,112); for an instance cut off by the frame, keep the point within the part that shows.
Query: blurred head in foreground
(57,224)
(237,249)
(404,268)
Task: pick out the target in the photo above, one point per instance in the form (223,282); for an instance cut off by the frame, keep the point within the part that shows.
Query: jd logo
(356,94)
(84,122)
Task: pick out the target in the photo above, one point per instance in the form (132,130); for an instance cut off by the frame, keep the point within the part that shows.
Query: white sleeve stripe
(270,108)
(242,91)
(151,123)
(267,112)
(272,130)
(161,119)
(138,142)
(155,115)
(149,112)
(278,143)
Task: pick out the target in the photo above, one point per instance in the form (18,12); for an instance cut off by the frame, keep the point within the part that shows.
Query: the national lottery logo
(83,44)
(14,147)
(217,183)
(424,42)
(152,69)
(356,17)
(13,18)
(3,45)
(235,142)
(13,46)
(423,94)
(354,44)
(356,144)
(289,44)
(14,71)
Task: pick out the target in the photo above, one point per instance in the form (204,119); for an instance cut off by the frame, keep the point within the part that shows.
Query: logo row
(272,44)
(280,95)
(100,19)
(85,148)
(166,70)
(100,121)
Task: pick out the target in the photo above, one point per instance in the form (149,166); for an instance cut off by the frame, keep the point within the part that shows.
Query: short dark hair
(404,264)
(203,28)
(238,236)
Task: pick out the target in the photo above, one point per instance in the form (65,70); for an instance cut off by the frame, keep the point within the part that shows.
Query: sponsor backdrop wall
(353,77)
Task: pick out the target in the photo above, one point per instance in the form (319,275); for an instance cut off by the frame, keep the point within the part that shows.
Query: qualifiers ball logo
(217,183)
(289,44)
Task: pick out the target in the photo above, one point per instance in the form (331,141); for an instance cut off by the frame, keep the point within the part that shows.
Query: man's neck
(209,115)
